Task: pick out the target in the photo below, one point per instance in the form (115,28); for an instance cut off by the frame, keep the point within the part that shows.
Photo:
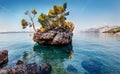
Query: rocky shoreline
(3,57)
(53,37)
(20,68)
(31,68)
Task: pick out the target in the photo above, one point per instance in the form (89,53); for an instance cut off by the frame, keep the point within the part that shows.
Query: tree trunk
(33,25)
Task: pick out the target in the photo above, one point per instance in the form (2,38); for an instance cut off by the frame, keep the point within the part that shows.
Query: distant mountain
(107,28)
(91,30)
(104,29)
(113,30)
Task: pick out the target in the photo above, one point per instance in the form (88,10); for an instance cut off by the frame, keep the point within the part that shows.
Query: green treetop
(56,18)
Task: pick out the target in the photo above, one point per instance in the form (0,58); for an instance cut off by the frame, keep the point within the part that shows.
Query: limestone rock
(62,38)
(31,68)
(20,68)
(53,37)
(3,56)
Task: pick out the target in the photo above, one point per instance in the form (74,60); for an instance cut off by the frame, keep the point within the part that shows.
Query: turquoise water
(102,51)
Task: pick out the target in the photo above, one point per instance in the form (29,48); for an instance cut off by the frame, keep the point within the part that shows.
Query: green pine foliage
(56,18)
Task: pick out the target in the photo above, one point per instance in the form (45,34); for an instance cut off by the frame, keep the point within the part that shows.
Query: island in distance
(105,29)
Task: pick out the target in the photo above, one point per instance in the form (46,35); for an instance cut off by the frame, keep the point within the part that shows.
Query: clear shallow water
(102,51)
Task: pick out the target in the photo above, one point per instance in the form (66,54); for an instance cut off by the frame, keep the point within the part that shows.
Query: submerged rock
(18,69)
(31,68)
(92,66)
(71,69)
(19,62)
(3,57)
(53,37)
(45,68)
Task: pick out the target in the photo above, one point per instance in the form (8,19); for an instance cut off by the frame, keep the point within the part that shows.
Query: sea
(88,53)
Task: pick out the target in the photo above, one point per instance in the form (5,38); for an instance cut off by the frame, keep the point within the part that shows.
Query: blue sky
(83,13)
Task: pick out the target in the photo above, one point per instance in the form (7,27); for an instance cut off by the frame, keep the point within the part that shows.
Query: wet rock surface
(53,37)
(3,57)
(31,68)
(20,68)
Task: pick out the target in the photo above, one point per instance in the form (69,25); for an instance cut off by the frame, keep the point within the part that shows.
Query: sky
(83,13)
